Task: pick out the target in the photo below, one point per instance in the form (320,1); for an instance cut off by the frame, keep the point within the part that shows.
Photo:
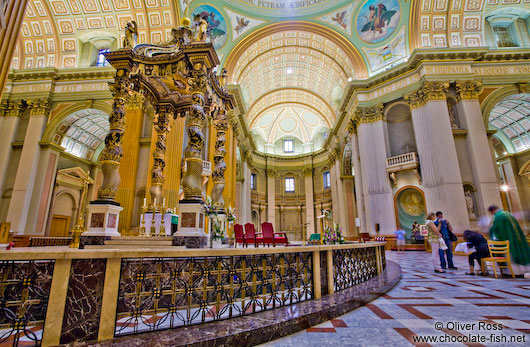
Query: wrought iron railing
(163,293)
(353,266)
(24,292)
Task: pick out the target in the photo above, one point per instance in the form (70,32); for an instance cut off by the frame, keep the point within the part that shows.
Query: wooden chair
(240,235)
(500,253)
(250,235)
(269,236)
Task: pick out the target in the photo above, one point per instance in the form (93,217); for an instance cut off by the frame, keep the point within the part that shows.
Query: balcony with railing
(402,162)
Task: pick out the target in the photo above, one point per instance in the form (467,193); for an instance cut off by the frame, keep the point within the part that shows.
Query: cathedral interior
(145,130)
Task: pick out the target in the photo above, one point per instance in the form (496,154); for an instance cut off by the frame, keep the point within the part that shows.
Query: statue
(200,27)
(469,204)
(131,35)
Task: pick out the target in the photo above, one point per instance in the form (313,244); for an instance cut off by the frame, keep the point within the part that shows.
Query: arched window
(508,27)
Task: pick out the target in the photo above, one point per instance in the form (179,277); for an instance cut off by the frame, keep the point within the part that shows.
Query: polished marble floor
(451,309)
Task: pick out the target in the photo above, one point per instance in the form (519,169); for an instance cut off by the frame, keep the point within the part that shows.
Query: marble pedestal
(103,220)
(190,225)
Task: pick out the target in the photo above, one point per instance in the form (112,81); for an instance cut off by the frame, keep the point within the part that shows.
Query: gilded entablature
(468,90)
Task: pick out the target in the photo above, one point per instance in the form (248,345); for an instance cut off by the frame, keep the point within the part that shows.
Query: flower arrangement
(209,207)
(333,234)
(217,230)
(230,214)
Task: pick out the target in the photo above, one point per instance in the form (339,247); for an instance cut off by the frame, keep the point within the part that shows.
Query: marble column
(27,167)
(440,171)
(377,189)
(271,196)
(309,202)
(482,165)
(12,111)
(245,193)
(342,218)
(335,208)
(358,178)
(43,189)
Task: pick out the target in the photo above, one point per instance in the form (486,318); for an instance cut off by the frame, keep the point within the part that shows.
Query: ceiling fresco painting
(217,29)
(378,19)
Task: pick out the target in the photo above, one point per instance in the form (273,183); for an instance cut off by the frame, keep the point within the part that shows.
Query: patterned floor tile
(426,304)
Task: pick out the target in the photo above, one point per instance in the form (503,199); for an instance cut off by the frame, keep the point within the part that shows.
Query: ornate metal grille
(163,293)
(353,266)
(24,292)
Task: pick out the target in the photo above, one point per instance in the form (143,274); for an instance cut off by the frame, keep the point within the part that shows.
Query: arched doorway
(409,203)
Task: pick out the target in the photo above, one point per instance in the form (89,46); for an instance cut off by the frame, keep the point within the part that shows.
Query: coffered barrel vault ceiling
(281,52)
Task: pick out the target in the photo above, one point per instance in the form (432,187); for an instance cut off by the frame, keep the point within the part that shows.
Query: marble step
(152,242)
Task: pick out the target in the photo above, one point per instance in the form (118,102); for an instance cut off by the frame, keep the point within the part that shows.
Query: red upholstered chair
(269,236)
(250,235)
(240,235)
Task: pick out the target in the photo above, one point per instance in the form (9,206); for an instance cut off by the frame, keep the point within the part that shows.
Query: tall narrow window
(289,184)
(101,58)
(253,181)
(288,146)
(503,37)
(327,180)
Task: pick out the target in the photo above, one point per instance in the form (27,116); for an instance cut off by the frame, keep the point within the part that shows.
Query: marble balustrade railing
(104,293)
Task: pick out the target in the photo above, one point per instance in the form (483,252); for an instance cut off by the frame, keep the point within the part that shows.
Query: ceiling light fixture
(505,187)
(350,79)
(289,71)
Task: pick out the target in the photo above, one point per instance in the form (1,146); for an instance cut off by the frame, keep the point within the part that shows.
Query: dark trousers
(449,253)
(477,256)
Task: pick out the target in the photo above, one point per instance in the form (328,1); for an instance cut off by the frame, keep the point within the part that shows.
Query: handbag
(452,236)
(443,246)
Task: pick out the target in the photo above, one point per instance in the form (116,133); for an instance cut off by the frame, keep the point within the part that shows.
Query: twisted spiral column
(218,175)
(111,156)
(157,173)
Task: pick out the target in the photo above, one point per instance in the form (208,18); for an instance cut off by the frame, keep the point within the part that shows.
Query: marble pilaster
(11,112)
(309,202)
(245,200)
(335,207)
(377,190)
(271,196)
(440,171)
(341,198)
(358,182)
(27,167)
(482,165)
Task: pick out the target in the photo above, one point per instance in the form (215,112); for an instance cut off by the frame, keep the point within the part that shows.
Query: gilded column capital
(332,156)
(523,87)
(12,108)
(271,172)
(135,101)
(307,171)
(370,114)
(468,90)
(430,90)
(38,107)
(352,125)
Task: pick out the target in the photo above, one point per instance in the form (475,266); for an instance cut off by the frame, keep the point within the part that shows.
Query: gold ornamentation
(221,126)
(135,101)
(523,87)
(38,107)
(162,128)
(307,171)
(468,90)
(131,35)
(369,114)
(111,156)
(429,91)
(271,173)
(352,125)
(12,108)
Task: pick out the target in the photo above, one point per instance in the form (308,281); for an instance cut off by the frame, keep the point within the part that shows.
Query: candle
(145,202)
(154,202)
(164,202)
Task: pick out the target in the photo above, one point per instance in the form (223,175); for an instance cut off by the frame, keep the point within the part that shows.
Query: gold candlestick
(142,226)
(162,229)
(152,230)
